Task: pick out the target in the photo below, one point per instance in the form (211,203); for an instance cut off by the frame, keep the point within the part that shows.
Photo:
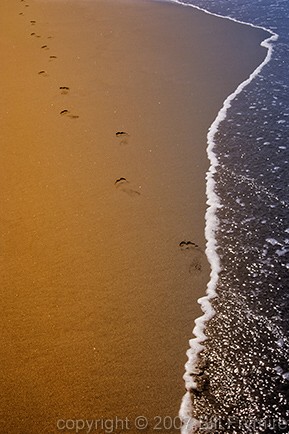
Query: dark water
(247,350)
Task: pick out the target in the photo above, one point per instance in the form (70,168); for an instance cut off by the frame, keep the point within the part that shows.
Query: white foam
(213,202)
(280,343)
(279,370)
(239,202)
(282,252)
(272,241)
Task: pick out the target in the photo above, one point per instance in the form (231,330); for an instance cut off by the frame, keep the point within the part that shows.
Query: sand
(98,300)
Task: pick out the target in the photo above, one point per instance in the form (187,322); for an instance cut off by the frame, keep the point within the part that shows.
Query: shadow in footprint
(123,136)
(67,114)
(186,245)
(122,184)
(32,22)
(64,90)
(43,73)
(45,47)
(52,57)
(120,181)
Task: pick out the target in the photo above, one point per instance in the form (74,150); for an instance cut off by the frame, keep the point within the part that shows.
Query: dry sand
(98,300)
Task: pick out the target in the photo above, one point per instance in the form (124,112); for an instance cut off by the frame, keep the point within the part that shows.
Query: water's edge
(192,367)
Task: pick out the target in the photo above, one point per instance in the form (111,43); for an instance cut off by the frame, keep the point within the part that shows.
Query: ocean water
(241,382)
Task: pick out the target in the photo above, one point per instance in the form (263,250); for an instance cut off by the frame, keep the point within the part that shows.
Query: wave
(192,367)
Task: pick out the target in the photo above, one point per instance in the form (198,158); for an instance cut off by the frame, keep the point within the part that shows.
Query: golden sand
(98,299)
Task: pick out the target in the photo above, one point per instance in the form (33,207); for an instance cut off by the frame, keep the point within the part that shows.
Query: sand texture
(98,299)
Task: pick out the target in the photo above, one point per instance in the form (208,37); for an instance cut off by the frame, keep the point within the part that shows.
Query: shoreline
(197,344)
(106,309)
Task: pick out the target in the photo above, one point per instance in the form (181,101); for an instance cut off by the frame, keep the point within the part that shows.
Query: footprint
(68,114)
(52,57)
(195,265)
(122,184)
(186,245)
(45,47)
(20,13)
(131,192)
(43,73)
(64,90)
(196,254)
(33,22)
(121,133)
(120,181)
(124,137)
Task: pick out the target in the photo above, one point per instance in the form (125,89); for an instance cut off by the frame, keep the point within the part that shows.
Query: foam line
(191,425)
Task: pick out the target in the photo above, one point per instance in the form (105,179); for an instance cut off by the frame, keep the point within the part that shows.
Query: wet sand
(98,298)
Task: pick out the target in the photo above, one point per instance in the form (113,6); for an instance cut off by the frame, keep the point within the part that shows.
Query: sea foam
(191,425)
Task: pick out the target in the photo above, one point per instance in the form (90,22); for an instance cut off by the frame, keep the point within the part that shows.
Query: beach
(104,117)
